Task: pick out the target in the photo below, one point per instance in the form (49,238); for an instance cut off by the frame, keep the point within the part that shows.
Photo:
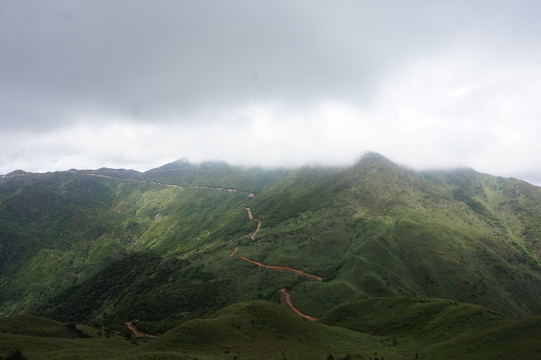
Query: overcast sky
(137,84)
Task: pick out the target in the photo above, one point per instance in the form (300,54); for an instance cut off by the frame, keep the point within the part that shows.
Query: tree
(16,355)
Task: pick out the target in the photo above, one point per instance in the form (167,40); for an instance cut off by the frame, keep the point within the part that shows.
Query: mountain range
(372,260)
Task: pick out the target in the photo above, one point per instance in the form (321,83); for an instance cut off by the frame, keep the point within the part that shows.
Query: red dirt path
(284,293)
(281,268)
(234,251)
(251,217)
(136,331)
(285,296)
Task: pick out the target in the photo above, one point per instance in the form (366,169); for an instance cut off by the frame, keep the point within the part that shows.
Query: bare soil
(285,296)
(136,331)
(282,268)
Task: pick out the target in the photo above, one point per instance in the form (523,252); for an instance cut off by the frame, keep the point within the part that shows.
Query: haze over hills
(171,246)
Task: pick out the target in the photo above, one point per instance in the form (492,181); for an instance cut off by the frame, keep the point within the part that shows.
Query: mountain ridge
(374,190)
(100,246)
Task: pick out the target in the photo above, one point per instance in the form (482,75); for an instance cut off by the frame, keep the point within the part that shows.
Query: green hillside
(260,330)
(383,328)
(141,286)
(175,244)
(58,229)
(379,230)
(441,329)
(40,338)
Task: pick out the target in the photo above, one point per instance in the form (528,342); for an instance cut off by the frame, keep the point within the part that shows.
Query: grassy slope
(217,174)
(158,292)
(260,330)
(40,338)
(390,328)
(255,330)
(59,229)
(373,229)
(56,229)
(441,329)
(379,230)
(34,326)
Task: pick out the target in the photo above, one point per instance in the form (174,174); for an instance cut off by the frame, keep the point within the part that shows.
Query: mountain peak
(373,156)
(374,159)
(175,165)
(17,173)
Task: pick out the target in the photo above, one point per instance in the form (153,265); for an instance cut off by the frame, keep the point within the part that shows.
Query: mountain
(178,243)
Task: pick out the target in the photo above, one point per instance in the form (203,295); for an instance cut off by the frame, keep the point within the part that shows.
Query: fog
(137,84)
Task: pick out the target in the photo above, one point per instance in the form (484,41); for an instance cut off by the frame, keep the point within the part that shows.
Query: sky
(137,84)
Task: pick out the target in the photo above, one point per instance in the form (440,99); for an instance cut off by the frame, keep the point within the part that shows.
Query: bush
(16,355)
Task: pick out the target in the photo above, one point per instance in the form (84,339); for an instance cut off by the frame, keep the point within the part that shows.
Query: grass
(441,329)
(106,250)
(373,229)
(260,330)
(387,328)
(254,330)
(40,338)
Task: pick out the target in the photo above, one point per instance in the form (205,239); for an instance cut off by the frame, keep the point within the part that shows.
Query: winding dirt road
(136,331)
(230,190)
(283,292)
(251,217)
(285,296)
(273,267)
(234,251)
(281,268)
(256,229)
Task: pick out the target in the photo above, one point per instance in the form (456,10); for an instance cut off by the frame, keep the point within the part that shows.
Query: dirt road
(282,268)
(229,190)
(251,217)
(234,251)
(134,330)
(285,296)
(283,292)
(256,229)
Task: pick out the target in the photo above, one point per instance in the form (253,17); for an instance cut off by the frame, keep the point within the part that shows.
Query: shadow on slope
(39,338)
(440,329)
(261,330)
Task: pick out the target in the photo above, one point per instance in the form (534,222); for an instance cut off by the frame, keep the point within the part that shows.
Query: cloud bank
(136,84)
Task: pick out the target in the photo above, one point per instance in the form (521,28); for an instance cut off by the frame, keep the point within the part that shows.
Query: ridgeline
(166,249)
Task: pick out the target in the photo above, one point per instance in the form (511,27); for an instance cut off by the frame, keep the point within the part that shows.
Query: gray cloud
(189,65)
(137,58)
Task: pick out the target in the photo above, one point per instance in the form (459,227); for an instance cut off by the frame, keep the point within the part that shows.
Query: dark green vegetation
(108,246)
(39,338)
(260,330)
(140,286)
(441,329)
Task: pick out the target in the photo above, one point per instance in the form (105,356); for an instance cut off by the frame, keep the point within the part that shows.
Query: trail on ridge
(251,217)
(285,296)
(281,268)
(273,267)
(283,292)
(230,190)
(136,331)
(234,251)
